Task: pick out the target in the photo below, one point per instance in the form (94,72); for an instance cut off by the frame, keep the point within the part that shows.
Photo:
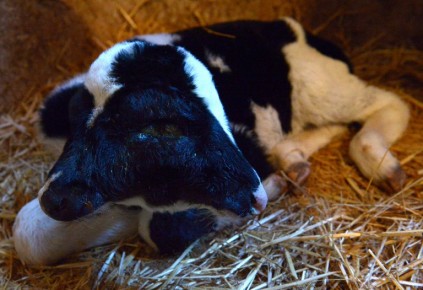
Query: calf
(145,127)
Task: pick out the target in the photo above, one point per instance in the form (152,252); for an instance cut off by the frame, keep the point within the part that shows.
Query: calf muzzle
(69,202)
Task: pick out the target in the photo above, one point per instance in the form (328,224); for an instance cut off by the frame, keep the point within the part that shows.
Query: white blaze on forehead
(98,80)
(160,38)
(205,89)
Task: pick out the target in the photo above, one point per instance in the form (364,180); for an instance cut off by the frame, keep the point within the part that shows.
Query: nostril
(70,201)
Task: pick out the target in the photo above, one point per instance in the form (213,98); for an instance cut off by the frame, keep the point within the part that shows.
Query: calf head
(145,127)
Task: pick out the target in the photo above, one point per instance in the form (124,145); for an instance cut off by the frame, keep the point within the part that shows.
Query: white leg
(325,92)
(291,154)
(40,240)
(274,185)
(384,122)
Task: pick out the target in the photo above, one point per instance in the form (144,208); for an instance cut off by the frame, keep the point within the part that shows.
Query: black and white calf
(159,122)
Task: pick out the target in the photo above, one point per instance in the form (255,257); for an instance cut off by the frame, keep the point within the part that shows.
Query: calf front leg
(41,240)
(384,122)
(292,153)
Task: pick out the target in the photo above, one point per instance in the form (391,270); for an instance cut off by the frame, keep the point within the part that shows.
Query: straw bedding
(339,232)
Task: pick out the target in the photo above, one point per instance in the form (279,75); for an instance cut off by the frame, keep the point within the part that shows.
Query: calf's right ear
(54,114)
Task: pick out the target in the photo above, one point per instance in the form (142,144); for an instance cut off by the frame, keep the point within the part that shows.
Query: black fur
(54,116)
(259,71)
(172,233)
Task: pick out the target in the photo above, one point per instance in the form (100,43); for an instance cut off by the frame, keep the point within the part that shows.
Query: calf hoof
(394,180)
(299,172)
(274,185)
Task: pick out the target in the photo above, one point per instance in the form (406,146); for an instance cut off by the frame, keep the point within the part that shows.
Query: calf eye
(160,130)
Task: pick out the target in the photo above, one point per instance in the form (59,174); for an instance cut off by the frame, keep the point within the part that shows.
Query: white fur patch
(217,62)
(139,201)
(267,126)
(323,90)
(180,206)
(98,80)
(160,38)
(205,89)
(296,28)
(261,199)
(144,228)
(41,240)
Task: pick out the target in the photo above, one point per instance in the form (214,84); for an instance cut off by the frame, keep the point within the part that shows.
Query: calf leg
(274,185)
(325,92)
(384,122)
(291,154)
(41,240)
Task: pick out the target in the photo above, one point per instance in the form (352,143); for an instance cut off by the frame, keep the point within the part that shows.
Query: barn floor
(339,232)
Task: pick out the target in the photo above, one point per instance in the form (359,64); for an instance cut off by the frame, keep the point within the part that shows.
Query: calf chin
(172,232)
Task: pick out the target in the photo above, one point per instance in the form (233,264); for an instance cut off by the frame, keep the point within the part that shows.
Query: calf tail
(296,28)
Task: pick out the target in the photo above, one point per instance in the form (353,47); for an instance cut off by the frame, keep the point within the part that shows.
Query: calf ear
(54,114)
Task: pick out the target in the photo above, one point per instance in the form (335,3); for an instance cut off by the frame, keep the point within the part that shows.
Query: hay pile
(340,232)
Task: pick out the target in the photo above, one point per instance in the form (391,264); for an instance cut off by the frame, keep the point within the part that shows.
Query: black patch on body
(259,71)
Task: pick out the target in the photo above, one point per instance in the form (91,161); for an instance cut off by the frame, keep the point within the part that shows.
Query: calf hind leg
(384,122)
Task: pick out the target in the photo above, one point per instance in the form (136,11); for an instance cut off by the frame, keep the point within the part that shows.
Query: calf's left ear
(54,114)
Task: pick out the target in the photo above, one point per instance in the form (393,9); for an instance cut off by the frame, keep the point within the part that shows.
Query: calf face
(146,128)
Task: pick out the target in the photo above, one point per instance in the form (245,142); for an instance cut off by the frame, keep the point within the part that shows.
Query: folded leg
(41,240)
(384,121)
(292,153)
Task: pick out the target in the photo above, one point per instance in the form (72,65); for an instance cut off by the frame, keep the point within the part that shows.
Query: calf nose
(260,196)
(69,202)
